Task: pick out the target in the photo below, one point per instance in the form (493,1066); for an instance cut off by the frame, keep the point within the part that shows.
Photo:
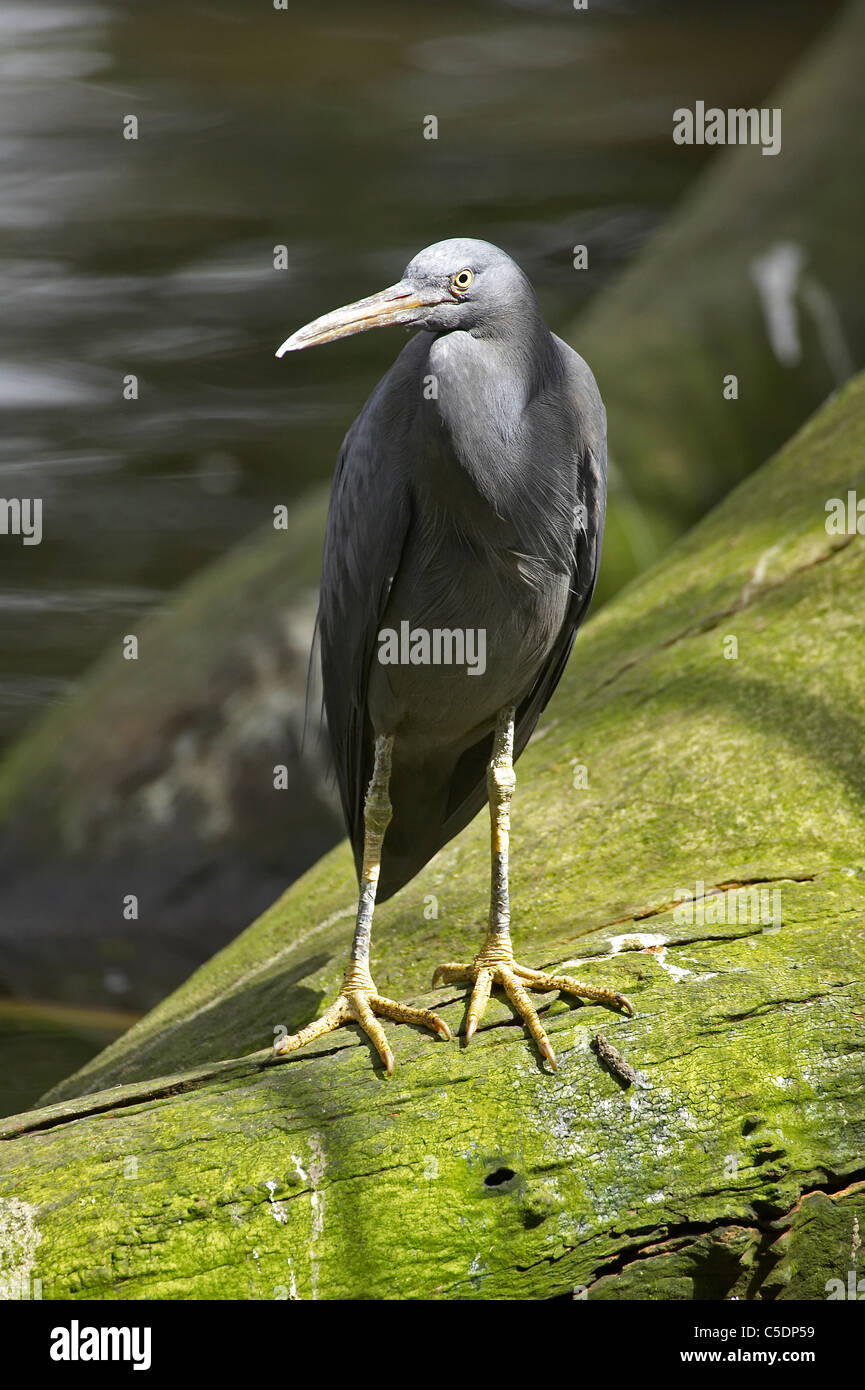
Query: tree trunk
(709,731)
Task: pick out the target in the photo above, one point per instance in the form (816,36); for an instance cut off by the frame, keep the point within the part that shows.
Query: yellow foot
(495,964)
(359,1002)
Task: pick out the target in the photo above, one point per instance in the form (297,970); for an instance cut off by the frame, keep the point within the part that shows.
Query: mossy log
(710,730)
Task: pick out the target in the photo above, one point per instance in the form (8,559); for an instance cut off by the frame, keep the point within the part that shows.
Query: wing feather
(367,523)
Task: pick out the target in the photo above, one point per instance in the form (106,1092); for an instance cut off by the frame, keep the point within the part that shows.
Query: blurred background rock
(155,257)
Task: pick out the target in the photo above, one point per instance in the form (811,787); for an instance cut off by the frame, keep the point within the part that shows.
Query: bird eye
(461,280)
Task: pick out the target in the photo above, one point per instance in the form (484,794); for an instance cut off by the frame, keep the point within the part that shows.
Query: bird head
(461,284)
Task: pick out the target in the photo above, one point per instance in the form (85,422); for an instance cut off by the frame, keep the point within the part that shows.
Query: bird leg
(358,1001)
(494,963)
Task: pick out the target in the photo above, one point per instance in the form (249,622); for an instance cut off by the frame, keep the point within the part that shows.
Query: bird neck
(498,435)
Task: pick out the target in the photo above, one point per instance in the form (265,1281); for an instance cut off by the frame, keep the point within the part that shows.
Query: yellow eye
(461,280)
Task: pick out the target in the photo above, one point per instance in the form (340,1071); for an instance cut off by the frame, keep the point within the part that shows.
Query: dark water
(304,128)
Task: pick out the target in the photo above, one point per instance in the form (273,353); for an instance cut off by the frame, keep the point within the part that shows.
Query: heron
(469,497)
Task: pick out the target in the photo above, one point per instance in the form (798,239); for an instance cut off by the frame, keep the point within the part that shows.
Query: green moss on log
(175,1166)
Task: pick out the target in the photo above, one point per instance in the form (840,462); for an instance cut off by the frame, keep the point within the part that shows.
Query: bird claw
(361,1003)
(494,964)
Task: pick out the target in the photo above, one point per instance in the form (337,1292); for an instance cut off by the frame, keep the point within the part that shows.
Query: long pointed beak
(397,304)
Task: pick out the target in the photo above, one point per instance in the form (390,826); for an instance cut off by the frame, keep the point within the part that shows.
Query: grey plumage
(469,493)
(469,498)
